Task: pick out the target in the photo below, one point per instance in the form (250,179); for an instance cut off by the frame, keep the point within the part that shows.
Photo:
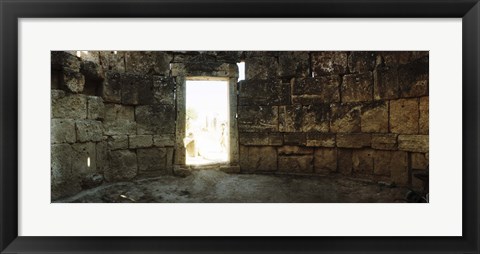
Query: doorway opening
(207,122)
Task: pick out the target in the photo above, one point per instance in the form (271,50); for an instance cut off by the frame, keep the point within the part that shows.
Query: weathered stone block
(320,139)
(81,153)
(353,140)
(260,139)
(361,61)
(117,142)
(385,83)
(345,118)
(404,116)
(89,130)
(294,150)
(316,118)
(295,138)
(257,118)
(363,161)
(96,108)
(357,87)
(384,141)
(424,115)
(290,118)
(294,64)
(152,159)
(413,143)
(296,164)
(155,119)
(92,71)
(119,127)
(413,78)
(261,68)
(101,150)
(258,158)
(322,89)
(419,161)
(62,59)
(164,140)
(115,112)
(123,166)
(163,90)
(62,131)
(329,62)
(325,160)
(72,106)
(137,89)
(73,80)
(112,60)
(140,141)
(148,62)
(391,163)
(263,92)
(374,117)
(111,90)
(345,163)
(65,182)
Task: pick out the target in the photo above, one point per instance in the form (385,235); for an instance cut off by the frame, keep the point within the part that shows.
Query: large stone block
(140,141)
(413,78)
(263,92)
(363,161)
(353,140)
(260,139)
(117,142)
(361,61)
(296,164)
(148,62)
(112,60)
(290,118)
(155,119)
(101,150)
(96,108)
(385,85)
(123,166)
(114,112)
(322,89)
(404,116)
(384,141)
(164,140)
(92,71)
(82,153)
(357,87)
(345,118)
(62,131)
(137,89)
(64,181)
(325,160)
(70,106)
(62,59)
(119,127)
(89,130)
(163,90)
(152,159)
(374,117)
(261,68)
(344,161)
(295,138)
(258,158)
(424,115)
(73,80)
(419,161)
(320,139)
(111,89)
(316,118)
(413,143)
(329,62)
(294,150)
(294,64)
(257,118)
(392,163)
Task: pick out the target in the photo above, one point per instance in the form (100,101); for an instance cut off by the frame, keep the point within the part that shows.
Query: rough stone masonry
(356,114)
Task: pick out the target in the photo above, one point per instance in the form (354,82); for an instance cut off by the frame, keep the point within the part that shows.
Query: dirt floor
(212,186)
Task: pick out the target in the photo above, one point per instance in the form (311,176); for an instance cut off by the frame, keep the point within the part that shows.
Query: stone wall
(359,114)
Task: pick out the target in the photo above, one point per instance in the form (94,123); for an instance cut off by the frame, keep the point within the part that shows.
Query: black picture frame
(11,11)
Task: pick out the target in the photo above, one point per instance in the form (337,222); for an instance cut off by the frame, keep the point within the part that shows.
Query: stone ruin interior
(239,126)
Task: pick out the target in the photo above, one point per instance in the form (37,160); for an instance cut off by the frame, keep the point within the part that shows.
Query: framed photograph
(223,126)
